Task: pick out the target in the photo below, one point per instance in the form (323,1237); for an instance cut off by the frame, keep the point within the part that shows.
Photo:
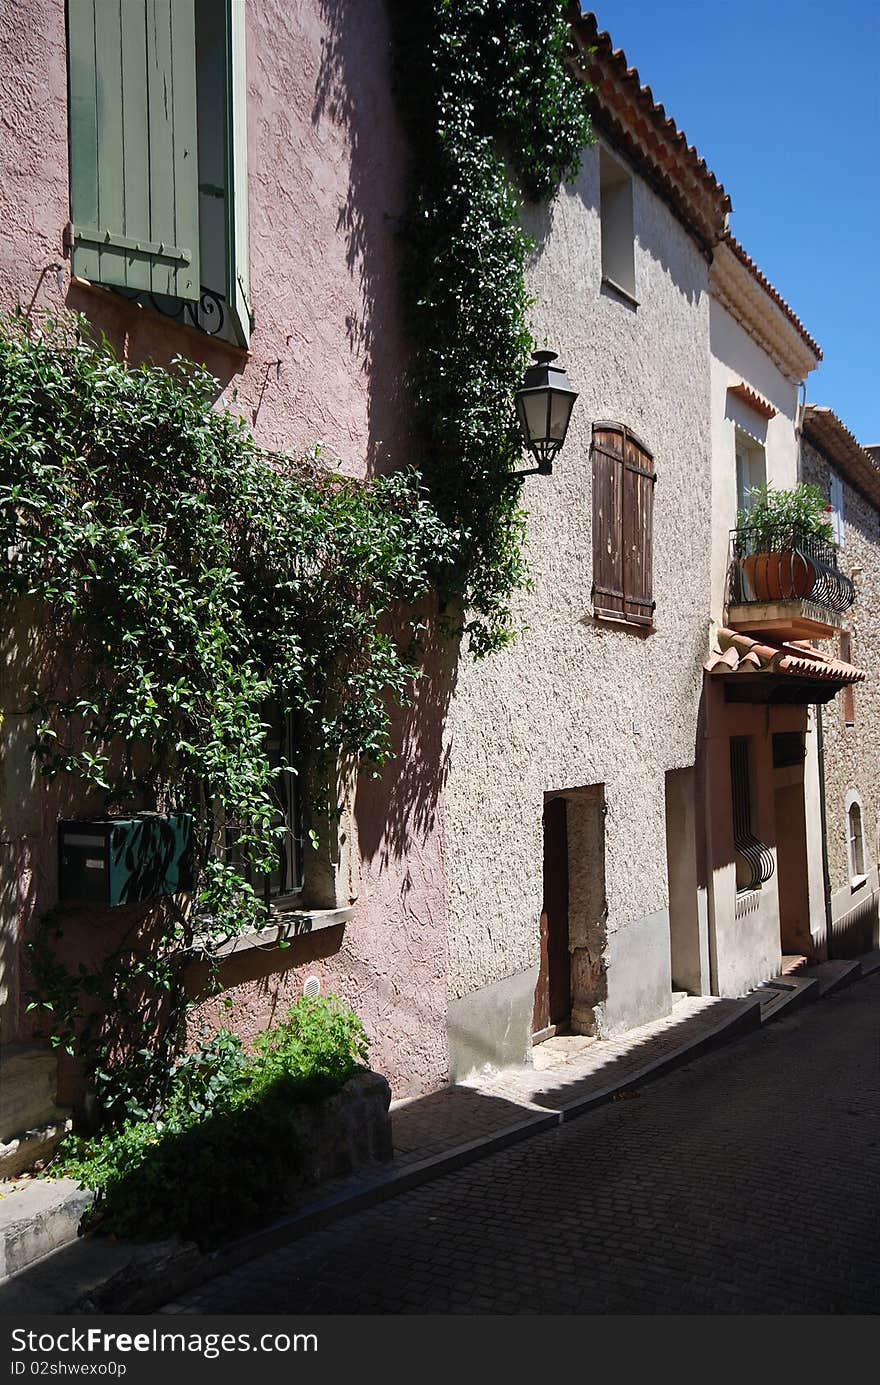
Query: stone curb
(744,1022)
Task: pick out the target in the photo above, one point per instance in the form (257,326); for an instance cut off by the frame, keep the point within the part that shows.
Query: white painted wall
(738,358)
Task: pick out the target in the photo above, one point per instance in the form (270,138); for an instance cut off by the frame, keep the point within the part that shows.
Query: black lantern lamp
(543,404)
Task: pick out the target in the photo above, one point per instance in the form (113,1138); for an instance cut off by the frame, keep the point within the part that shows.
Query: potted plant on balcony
(783,542)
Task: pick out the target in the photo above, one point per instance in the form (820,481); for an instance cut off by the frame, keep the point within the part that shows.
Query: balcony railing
(785,564)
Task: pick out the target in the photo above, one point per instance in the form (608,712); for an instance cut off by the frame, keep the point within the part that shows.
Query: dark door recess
(553,990)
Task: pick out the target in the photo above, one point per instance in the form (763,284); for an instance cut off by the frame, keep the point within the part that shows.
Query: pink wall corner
(326,190)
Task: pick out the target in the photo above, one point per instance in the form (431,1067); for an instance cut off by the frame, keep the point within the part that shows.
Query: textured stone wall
(326,358)
(852,753)
(576,702)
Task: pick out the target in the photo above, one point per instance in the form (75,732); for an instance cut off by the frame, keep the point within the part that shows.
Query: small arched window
(855,838)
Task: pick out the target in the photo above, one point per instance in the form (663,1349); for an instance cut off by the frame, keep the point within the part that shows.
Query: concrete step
(832,975)
(28,1088)
(37,1219)
(784,994)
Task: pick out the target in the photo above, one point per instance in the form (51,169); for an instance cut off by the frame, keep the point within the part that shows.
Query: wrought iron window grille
(757,856)
(207,313)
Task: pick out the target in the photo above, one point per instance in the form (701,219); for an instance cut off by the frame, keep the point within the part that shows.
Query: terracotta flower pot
(782,576)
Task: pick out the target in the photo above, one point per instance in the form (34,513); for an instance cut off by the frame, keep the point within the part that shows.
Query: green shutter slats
(237,285)
(136,146)
(133,144)
(83,121)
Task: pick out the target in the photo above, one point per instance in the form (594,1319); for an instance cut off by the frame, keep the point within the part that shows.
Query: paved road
(747,1182)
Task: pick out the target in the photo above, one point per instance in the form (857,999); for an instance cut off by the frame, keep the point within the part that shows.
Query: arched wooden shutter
(133,144)
(623,525)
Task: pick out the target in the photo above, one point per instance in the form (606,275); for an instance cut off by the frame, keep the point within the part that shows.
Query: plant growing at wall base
(493,116)
(218,1151)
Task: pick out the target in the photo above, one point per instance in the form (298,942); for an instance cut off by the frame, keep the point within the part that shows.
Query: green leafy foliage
(493,116)
(181,576)
(776,514)
(218,1152)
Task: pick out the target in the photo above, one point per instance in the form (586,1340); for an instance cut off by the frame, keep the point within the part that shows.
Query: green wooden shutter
(133,144)
(237,276)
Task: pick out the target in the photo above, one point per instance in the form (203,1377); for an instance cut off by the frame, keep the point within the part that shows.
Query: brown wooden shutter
(638,531)
(607,520)
(623,525)
(847,696)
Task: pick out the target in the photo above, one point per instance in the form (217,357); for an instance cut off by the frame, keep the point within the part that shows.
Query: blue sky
(782,100)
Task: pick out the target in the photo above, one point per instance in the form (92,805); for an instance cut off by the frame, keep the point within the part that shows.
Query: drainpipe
(823,822)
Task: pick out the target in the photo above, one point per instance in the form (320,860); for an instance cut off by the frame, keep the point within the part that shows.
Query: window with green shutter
(158,167)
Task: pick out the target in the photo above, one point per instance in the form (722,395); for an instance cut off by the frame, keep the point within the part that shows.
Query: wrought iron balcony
(785,583)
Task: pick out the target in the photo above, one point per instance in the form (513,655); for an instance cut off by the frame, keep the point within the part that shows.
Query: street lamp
(544,403)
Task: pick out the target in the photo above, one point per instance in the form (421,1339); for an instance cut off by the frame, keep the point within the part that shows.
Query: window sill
(105,291)
(857,881)
(286,925)
(620,291)
(602,617)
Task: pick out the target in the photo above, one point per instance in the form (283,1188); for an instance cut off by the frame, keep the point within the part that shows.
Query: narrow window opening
(837,522)
(751,470)
(616,215)
(286,879)
(856,843)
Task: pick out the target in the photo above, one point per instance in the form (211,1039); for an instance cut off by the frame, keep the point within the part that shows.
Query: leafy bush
(182,577)
(776,515)
(217,1154)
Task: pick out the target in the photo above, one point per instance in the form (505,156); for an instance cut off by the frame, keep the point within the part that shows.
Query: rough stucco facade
(852,749)
(442,876)
(325,186)
(577,701)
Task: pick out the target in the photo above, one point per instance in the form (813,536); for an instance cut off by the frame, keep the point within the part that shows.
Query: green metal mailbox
(125,860)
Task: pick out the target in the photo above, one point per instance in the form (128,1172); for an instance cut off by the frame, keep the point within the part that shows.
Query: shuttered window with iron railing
(754,865)
(157,124)
(623,525)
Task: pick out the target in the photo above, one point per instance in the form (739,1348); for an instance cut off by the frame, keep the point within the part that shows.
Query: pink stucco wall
(326,163)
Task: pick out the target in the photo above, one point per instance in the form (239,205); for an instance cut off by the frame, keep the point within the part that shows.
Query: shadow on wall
(354,90)
(141,336)
(399,810)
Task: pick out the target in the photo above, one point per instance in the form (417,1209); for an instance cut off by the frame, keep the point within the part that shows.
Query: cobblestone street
(746,1182)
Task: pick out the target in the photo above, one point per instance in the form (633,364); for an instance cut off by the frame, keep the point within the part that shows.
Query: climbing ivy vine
(167,578)
(493,116)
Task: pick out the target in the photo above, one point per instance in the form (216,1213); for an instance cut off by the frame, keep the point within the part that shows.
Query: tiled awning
(758,671)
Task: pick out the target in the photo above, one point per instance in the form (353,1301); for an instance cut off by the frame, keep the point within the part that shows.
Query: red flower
(829,509)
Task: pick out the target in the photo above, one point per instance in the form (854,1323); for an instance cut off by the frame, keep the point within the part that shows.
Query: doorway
(791,866)
(552,1012)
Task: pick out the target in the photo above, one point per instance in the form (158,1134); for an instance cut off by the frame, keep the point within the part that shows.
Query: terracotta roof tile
(755,401)
(857,464)
(738,653)
(760,277)
(641,124)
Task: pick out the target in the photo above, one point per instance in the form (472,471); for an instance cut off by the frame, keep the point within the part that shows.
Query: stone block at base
(38,1219)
